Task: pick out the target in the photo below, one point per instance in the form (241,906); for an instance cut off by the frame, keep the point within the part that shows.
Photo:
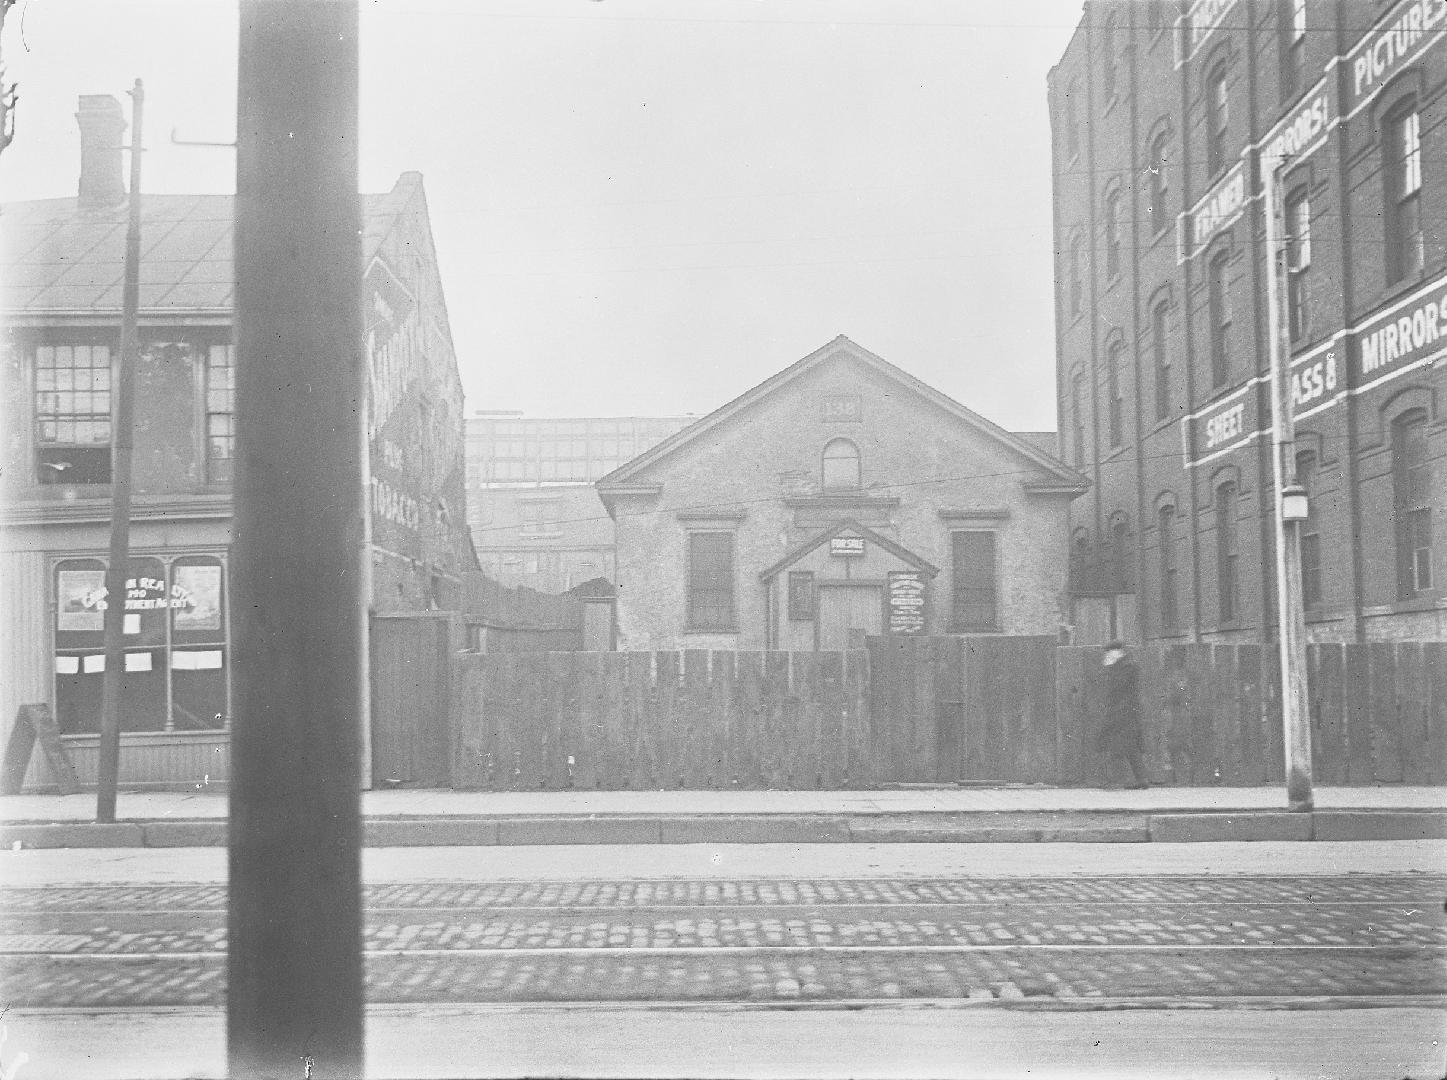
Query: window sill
(711,630)
(1426,602)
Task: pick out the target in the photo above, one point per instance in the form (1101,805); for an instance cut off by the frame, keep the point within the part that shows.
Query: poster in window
(906,602)
(196,597)
(80,600)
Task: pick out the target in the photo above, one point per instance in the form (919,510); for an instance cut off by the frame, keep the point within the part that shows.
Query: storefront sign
(1403,337)
(1410,29)
(395,506)
(1315,379)
(1216,210)
(81,597)
(1202,20)
(846,545)
(1224,426)
(1300,133)
(906,602)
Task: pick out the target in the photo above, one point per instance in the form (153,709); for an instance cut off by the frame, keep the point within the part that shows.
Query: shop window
(220,413)
(975,591)
(1402,159)
(1412,503)
(711,581)
(1298,261)
(73,414)
(1227,553)
(801,595)
(840,466)
(199,650)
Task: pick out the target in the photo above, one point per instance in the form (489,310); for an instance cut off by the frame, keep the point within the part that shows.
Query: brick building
(842,497)
(1161,116)
(535,516)
(61,268)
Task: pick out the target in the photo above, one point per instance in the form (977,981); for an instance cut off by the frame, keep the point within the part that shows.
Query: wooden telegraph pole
(122,442)
(294,971)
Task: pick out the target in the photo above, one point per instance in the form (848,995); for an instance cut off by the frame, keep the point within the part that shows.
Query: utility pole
(294,1001)
(122,443)
(1289,508)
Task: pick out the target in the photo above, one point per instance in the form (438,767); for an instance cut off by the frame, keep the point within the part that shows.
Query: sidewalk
(404,818)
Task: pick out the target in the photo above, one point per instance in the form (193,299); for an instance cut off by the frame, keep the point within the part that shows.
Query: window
(1161,355)
(1217,118)
(73,414)
(175,644)
(1412,503)
(1112,234)
(711,581)
(1116,404)
(1077,418)
(1072,124)
(840,470)
(1291,23)
(1157,185)
(1298,261)
(801,595)
(1219,304)
(220,413)
(1226,551)
(1108,59)
(974,606)
(1402,173)
(1166,539)
(541,517)
(1077,290)
(1310,534)
(1120,553)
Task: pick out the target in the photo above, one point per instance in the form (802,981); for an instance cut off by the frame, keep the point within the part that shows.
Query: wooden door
(848,614)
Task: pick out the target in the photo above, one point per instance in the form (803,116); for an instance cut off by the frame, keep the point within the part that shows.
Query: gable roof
(1059,475)
(929,569)
(57,258)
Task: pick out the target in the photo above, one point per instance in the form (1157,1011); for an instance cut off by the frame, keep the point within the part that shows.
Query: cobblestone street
(1039,940)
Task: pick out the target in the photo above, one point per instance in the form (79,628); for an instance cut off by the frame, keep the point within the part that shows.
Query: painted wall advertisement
(905,602)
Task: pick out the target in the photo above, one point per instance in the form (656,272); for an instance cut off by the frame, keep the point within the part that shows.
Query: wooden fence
(965,710)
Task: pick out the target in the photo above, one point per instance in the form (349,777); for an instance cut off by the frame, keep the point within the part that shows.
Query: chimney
(101,125)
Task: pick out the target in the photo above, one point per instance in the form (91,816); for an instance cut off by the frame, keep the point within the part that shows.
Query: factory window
(801,595)
(1072,125)
(1219,305)
(1166,540)
(1218,118)
(1291,30)
(1161,355)
(1298,261)
(1412,503)
(1158,186)
(1112,234)
(1227,553)
(1310,536)
(1077,418)
(73,414)
(1108,60)
(1114,357)
(1402,155)
(711,581)
(840,466)
(1077,289)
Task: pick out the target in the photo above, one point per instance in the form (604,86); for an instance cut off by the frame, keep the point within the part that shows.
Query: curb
(889,828)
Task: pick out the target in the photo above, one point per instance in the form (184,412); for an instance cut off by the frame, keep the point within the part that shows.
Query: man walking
(1122,736)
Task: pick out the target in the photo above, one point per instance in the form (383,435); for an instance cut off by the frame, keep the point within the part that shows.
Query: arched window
(1166,541)
(1115,403)
(1218,118)
(1112,233)
(840,466)
(1402,174)
(1158,185)
(1219,307)
(1161,355)
(1412,503)
(1227,552)
(1310,535)
(1077,289)
(1108,58)
(1298,261)
(1120,552)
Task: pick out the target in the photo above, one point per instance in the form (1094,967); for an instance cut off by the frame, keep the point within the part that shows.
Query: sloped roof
(899,551)
(1057,473)
(58,258)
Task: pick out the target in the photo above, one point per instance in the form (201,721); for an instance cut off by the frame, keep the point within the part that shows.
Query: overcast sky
(648,206)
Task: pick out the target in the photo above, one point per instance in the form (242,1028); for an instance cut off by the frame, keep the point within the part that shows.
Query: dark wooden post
(299,578)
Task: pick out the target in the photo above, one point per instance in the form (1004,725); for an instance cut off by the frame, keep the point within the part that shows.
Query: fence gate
(411,697)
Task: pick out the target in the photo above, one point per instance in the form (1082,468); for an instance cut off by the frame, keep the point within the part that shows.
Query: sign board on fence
(34,722)
(906,602)
(846,545)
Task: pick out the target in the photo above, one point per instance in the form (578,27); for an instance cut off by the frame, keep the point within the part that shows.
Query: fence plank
(1326,675)
(746,718)
(1177,722)
(1435,665)
(861,766)
(563,720)
(775,719)
(1202,701)
(1070,708)
(1226,713)
(948,693)
(1359,714)
(589,739)
(833,754)
(1250,755)
(1386,713)
(691,723)
(1413,707)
